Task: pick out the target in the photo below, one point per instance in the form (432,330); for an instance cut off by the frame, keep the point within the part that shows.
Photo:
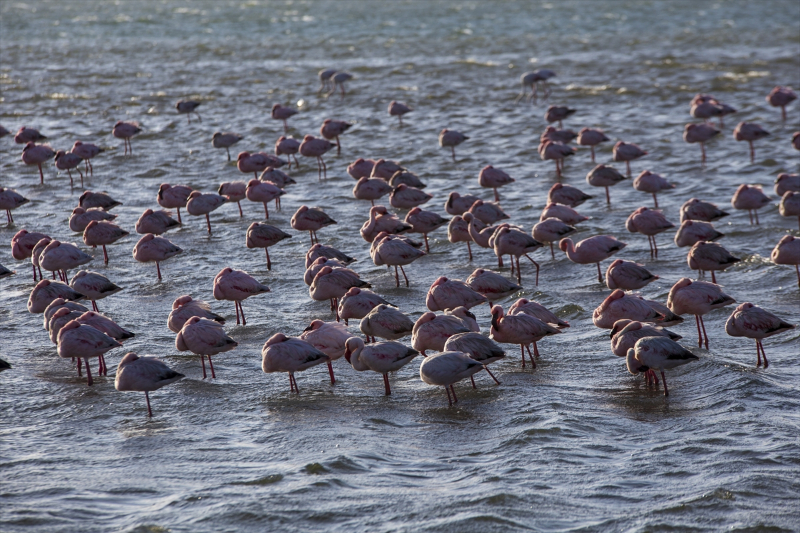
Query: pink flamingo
(357,303)
(234,191)
(591,137)
(225,140)
(387,323)
(371,189)
(101,233)
(749,197)
(204,337)
(67,161)
(255,163)
(361,168)
(203,204)
(398,109)
(380,220)
(313,147)
(558,114)
(77,340)
(558,136)
(533,80)
(10,199)
(396,253)
(451,293)
(36,154)
(479,233)
(57,304)
(338,79)
(286,354)
(591,250)
(451,139)
(659,353)
(627,152)
(787,182)
(331,284)
(753,322)
(692,231)
(523,306)
(749,132)
(566,195)
(445,369)
(492,178)
(787,252)
(184,308)
(37,252)
(457,204)
(282,113)
(551,230)
(790,205)
(604,176)
(87,152)
(264,236)
(480,348)
(700,133)
(467,318)
(265,192)
(329,338)
(458,231)
(26,135)
(331,129)
(387,170)
(626,332)
(380,357)
(564,213)
(697,298)
(522,329)
(60,257)
(125,131)
(431,331)
(107,326)
(653,183)
(94,286)
(155,222)
(157,249)
(278,177)
(288,146)
(424,222)
(236,285)
(187,107)
(91,199)
(628,276)
(46,291)
(60,318)
(487,212)
(709,256)
(311,219)
(694,209)
(557,152)
(173,197)
(648,222)
(781,97)
(405,197)
(620,305)
(516,243)
(491,284)
(328,252)
(325,79)
(22,245)
(144,374)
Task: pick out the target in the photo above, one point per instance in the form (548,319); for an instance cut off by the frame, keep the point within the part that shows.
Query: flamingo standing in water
(264,236)
(533,80)
(331,284)
(591,250)
(187,107)
(126,131)
(204,337)
(591,137)
(693,231)
(310,219)
(87,152)
(648,222)
(781,97)
(83,342)
(387,323)
(749,132)
(288,146)
(790,205)
(431,331)
(653,183)
(46,291)
(396,253)
(551,230)
(556,113)
(751,198)
(694,209)
(451,139)
(371,189)
(10,200)
(627,152)
(234,191)
(157,249)
(492,178)
(787,252)
(313,147)
(398,109)
(381,221)
(380,357)
(627,275)
(753,322)
(236,285)
(516,243)
(203,204)
(458,204)
(566,195)
(520,329)
(697,298)
(282,113)
(329,338)
(357,303)
(710,256)
(23,243)
(604,176)
(424,222)
(36,154)
(658,353)
(94,286)
(144,374)
(621,305)
(67,161)
(225,140)
(101,233)
(446,368)
(155,222)
(701,134)
(458,231)
(337,79)
(626,332)
(287,354)
(491,284)
(184,308)
(173,197)
(25,135)
(60,257)
(557,152)
(451,293)
(331,129)
(479,347)
(264,192)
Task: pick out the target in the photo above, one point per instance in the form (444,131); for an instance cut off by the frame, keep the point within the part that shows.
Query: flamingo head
(181,301)
(619,325)
(497,314)
(564,244)
(315,325)
(351,345)
(195,194)
(276,339)
(352,292)
(129,358)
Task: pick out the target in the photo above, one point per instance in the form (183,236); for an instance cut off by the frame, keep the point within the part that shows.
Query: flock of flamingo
(459,348)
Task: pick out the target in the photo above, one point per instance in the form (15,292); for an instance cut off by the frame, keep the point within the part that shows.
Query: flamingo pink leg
(522,351)
(105,255)
(404,274)
(88,371)
(472,378)
(705,335)
(149,411)
(330,371)
(490,373)
(213,376)
(208,222)
(455,398)
(203,362)
(469,249)
(269,263)
(447,390)
(386,384)
(664,379)
(158,269)
(533,362)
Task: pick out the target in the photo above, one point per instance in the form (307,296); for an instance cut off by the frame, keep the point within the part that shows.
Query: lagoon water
(576,445)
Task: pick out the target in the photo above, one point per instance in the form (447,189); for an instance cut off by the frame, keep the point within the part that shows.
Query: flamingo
(310,219)
(431,331)
(225,140)
(398,109)
(381,221)
(255,163)
(77,340)
(660,353)
(787,252)
(278,177)
(790,205)
(357,303)
(361,168)
(87,152)
(697,298)
(331,129)
(516,243)
(591,137)
(325,79)
(264,192)
(492,178)
(126,131)
(67,161)
(264,236)
(203,204)
(781,97)
(551,230)
(648,222)
(424,222)
(330,284)
(144,374)
(626,332)
(329,252)
(157,249)
(60,318)
(282,113)
(447,368)
(173,197)
(556,152)
(693,231)
(9,200)
(558,114)
(533,80)
(787,182)
(313,147)
(36,154)
(451,139)
(749,132)
(701,134)
(619,305)
(457,204)
(107,326)
(387,323)
(60,257)
(93,286)
(184,308)
(694,209)
(751,198)
(557,136)
(523,306)
(37,252)
(710,256)
(23,243)
(604,176)
(25,135)
(479,347)
(187,107)
(591,250)
(458,231)
(563,213)
(371,189)
(91,199)
(236,285)
(405,197)
(467,318)
(60,303)
(627,275)
(288,146)
(491,284)
(487,212)
(753,322)
(338,78)
(155,222)
(451,293)
(520,329)
(46,291)
(380,357)
(329,338)
(627,152)
(234,191)
(566,195)
(396,253)
(101,233)
(653,183)
(286,354)
(204,337)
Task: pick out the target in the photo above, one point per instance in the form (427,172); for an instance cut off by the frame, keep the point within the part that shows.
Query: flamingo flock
(451,344)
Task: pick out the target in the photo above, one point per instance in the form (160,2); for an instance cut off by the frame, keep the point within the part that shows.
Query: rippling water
(576,445)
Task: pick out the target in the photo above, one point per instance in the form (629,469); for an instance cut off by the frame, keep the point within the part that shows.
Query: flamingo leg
(519,275)
(34,271)
(105,255)
(455,398)
(291,383)
(703,153)
(396,277)
(324,168)
(756,214)
(105,366)
(533,362)
(496,195)
(447,390)
(213,376)
(608,197)
(713,277)
(88,372)
(94,307)
(783,113)
(522,351)
(386,384)
(208,222)
(229,153)
(244,320)
(599,274)
(236,307)
(552,253)
(592,147)
(240,209)
(472,379)
(535,349)
(330,371)
(705,335)
(296,162)
(69,173)
(80,364)
(404,274)
(490,373)
(147,399)
(158,270)
(655,200)
(179,216)
(469,249)
(758,353)
(203,362)
(536,264)
(269,263)
(664,379)
(81,174)
(427,249)
(752,153)
(266,211)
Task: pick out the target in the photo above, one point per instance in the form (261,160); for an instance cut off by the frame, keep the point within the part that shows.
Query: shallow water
(576,445)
